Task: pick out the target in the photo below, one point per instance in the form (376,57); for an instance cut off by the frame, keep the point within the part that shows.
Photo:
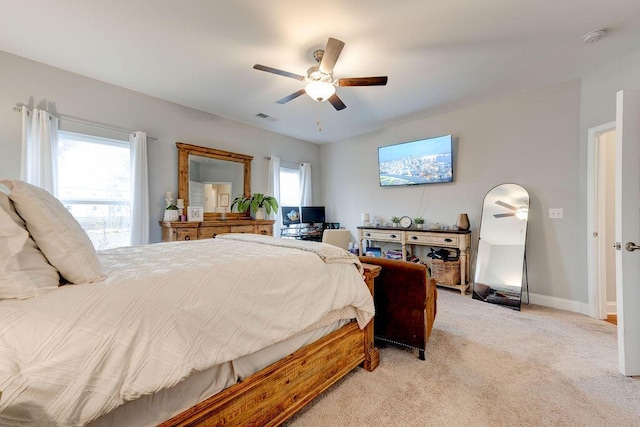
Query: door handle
(630,246)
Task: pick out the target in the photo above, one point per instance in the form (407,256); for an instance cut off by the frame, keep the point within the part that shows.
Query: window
(94,183)
(289,187)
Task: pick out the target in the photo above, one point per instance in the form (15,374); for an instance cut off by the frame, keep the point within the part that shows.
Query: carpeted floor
(490,366)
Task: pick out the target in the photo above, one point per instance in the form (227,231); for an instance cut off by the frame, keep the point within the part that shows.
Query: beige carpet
(490,366)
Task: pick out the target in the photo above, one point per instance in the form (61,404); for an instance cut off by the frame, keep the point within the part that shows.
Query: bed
(137,326)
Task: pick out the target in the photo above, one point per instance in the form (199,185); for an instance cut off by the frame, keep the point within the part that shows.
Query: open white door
(628,230)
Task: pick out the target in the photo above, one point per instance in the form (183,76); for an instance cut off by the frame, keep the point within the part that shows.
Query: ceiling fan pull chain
(319,114)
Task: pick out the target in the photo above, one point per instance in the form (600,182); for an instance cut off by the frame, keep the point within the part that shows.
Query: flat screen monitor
(312,214)
(290,215)
(425,161)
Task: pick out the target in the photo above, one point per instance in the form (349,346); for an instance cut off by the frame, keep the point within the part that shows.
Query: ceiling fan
(321,86)
(522,212)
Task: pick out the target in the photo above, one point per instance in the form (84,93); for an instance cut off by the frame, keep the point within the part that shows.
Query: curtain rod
(94,124)
(282,160)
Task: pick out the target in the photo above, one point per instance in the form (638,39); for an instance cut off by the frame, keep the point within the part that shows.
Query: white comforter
(165,311)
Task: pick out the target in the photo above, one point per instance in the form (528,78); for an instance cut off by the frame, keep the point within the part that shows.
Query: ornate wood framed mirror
(212,178)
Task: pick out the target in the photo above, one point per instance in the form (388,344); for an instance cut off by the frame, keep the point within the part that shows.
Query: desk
(456,239)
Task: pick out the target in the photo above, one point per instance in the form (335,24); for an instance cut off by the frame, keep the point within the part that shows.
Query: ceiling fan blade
(331,54)
(290,97)
(336,102)
(279,72)
(506,205)
(363,81)
(503,215)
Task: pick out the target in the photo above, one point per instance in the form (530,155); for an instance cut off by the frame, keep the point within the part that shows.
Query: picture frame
(373,251)
(195,213)
(224,200)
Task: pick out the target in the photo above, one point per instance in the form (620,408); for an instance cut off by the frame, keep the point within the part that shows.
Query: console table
(456,239)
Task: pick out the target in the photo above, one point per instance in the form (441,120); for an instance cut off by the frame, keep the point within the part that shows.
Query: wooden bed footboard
(274,394)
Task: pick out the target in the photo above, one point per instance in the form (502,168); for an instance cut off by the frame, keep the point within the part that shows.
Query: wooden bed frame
(274,394)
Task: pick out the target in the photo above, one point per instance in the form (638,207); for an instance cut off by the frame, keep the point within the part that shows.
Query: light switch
(555,213)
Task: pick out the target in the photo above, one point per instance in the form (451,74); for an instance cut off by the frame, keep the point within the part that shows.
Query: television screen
(312,214)
(426,161)
(290,215)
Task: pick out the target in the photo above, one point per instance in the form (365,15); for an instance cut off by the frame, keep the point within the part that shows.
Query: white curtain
(305,185)
(273,189)
(139,189)
(40,149)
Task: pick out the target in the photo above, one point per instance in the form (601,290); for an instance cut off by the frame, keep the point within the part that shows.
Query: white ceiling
(439,54)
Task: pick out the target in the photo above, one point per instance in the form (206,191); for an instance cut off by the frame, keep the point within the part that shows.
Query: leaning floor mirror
(500,263)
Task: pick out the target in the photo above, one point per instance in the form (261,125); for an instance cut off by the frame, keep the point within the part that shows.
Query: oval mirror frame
(184,150)
(500,260)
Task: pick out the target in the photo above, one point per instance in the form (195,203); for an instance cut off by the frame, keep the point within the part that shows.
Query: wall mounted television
(312,214)
(425,161)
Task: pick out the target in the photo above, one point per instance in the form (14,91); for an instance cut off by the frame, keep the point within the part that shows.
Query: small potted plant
(419,222)
(395,220)
(257,204)
(171,210)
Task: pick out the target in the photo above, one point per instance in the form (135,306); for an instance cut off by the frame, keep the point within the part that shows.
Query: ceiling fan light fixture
(320,91)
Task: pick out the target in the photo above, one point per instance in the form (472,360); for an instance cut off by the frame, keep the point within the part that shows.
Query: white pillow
(24,270)
(56,232)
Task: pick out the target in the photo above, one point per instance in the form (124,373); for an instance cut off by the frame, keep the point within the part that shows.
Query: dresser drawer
(265,230)
(242,229)
(383,235)
(447,240)
(185,233)
(212,232)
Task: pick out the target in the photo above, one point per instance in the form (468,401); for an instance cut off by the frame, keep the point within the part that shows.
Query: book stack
(394,254)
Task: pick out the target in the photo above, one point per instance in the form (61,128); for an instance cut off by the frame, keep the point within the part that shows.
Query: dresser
(407,237)
(176,230)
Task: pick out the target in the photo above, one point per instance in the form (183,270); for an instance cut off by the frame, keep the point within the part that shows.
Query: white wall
(609,147)
(531,139)
(26,82)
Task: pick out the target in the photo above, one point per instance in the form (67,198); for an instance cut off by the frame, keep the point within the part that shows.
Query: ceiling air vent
(266,117)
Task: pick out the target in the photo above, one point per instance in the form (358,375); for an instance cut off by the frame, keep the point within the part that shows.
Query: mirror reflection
(212,182)
(213,178)
(501,247)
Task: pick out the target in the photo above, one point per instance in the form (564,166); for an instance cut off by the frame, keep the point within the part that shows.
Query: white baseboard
(559,303)
(612,307)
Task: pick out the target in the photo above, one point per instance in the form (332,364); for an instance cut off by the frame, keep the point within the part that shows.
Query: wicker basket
(446,272)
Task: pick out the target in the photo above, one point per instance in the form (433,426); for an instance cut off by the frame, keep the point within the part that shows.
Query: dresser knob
(393,236)
(414,237)
(263,232)
(214,235)
(187,237)
(367,234)
(448,240)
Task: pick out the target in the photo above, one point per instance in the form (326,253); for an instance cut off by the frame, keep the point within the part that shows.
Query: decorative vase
(171,215)
(463,222)
(259,214)
(419,225)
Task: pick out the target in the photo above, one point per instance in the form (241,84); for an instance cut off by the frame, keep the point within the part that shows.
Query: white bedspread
(165,311)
